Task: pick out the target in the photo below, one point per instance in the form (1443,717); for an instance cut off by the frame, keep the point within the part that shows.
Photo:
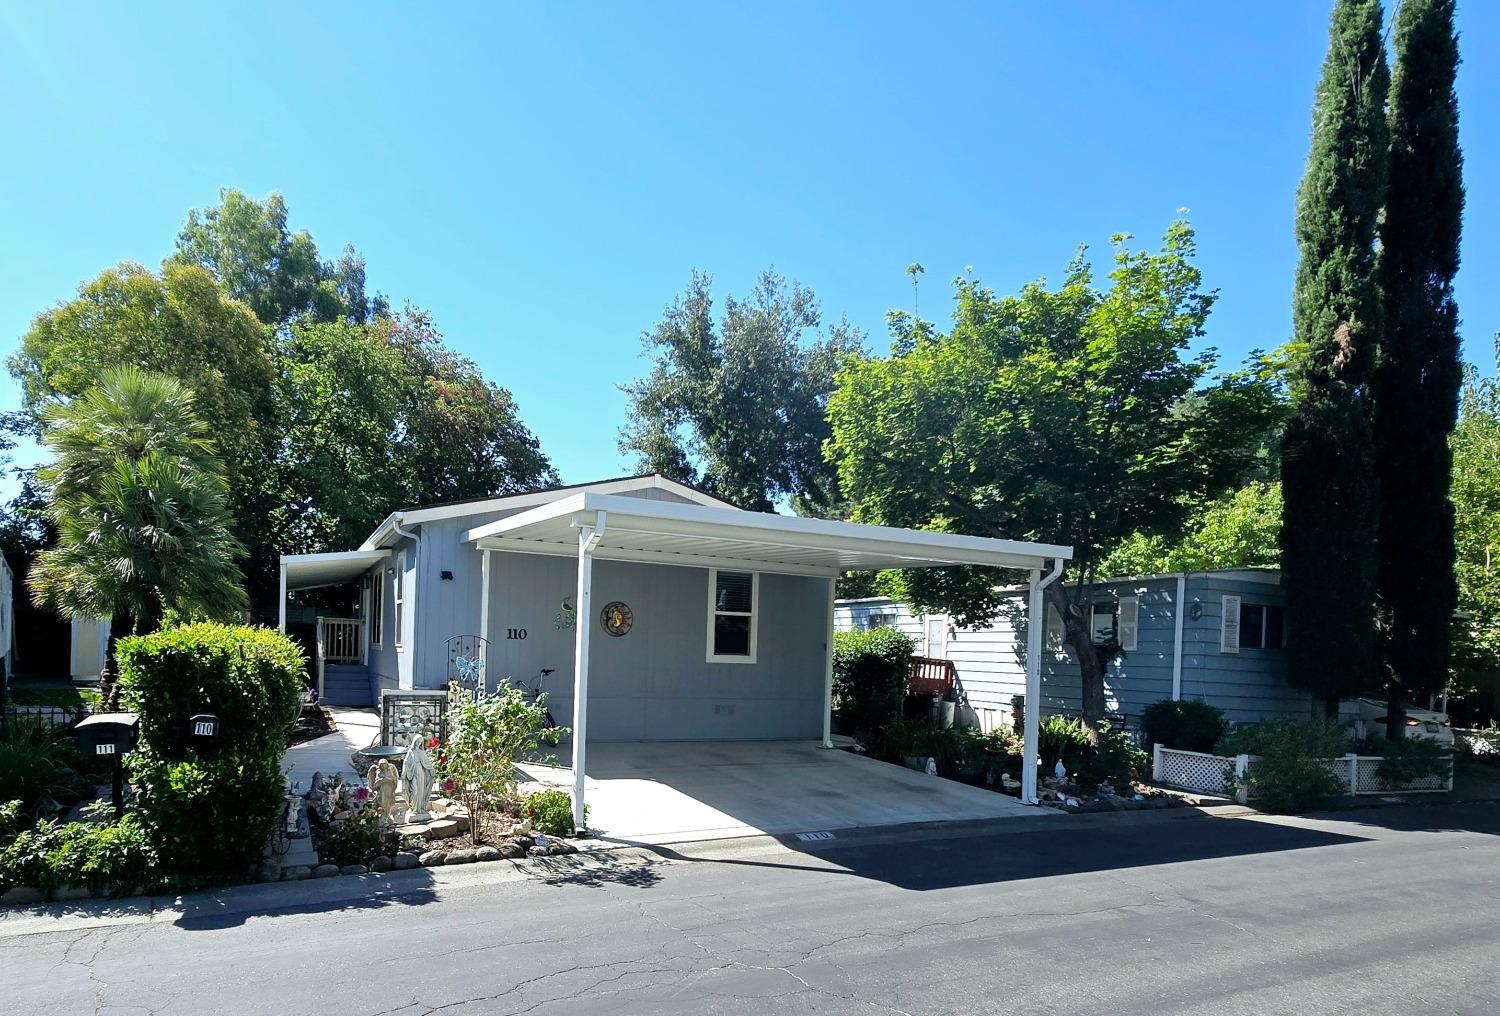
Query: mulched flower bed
(314,722)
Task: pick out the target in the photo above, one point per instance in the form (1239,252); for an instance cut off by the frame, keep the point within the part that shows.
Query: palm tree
(140,504)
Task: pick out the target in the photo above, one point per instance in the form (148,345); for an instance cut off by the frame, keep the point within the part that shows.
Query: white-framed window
(733,615)
(399,595)
(377,610)
(1262,626)
(1102,620)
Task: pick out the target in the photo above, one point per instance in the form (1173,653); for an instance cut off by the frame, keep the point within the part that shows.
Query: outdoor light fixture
(446,576)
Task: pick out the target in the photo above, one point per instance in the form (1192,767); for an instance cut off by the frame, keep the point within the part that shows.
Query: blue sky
(543,178)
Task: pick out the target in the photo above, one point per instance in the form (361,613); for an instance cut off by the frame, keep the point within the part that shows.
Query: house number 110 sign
(515,633)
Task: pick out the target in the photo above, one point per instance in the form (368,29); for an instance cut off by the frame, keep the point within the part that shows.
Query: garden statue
(1061,771)
(383,779)
(416,774)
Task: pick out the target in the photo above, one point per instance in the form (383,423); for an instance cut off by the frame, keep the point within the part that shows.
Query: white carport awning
(310,571)
(689,535)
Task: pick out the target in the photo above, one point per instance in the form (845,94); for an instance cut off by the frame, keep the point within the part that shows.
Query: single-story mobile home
(1215,636)
(647,610)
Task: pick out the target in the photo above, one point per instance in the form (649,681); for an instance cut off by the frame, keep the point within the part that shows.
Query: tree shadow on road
(228,908)
(1067,847)
(595,872)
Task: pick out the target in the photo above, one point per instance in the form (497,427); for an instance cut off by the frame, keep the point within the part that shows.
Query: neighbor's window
(400,594)
(731,616)
(1102,623)
(1261,626)
(377,609)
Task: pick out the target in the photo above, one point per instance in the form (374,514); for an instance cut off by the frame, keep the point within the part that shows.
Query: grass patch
(61,698)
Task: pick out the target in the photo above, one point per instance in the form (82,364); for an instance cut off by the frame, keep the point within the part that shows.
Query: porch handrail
(339,640)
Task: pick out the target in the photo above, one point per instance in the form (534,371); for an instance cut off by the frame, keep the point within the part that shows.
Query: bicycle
(535,691)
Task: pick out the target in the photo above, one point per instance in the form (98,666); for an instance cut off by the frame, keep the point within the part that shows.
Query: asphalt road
(1374,911)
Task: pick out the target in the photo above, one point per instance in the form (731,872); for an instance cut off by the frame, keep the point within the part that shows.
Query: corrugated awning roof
(690,535)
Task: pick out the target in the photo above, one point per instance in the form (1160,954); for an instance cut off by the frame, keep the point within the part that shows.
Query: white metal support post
(833,585)
(484,620)
(281,604)
(1036,621)
(588,539)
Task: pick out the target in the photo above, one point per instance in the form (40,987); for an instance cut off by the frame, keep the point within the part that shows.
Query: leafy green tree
(278,274)
(384,416)
(1476,500)
(180,324)
(140,506)
(1417,381)
(1328,470)
(1072,416)
(1241,529)
(737,407)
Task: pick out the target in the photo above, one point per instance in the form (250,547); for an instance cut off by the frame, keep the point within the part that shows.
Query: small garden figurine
(416,774)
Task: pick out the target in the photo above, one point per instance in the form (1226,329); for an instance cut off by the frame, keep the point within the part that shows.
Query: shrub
(355,839)
(36,762)
(1409,759)
(1116,759)
(115,858)
(550,811)
(210,808)
(1310,738)
(869,677)
(487,734)
(1065,739)
(1291,771)
(10,821)
(1183,724)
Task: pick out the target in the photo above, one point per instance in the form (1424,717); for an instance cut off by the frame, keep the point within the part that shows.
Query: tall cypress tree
(1328,468)
(1417,381)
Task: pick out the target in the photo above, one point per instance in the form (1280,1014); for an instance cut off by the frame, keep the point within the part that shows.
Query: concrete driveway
(679,792)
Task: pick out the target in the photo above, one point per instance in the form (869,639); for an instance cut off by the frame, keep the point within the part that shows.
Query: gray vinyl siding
(1139,677)
(1248,685)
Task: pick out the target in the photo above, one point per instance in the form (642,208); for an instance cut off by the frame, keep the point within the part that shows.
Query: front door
(937,638)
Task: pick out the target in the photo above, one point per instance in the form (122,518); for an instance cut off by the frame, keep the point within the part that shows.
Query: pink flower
(448,785)
(361,794)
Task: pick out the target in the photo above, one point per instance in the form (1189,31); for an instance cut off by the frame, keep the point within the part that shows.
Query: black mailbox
(107,734)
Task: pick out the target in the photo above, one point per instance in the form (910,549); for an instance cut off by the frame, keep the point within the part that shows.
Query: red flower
(432,742)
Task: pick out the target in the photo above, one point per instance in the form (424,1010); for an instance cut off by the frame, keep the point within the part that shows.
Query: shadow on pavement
(1063,848)
(1421,815)
(594,872)
(232,907)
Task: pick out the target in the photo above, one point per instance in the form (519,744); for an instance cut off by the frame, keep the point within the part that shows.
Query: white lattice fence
(1365,771)
(1191,770)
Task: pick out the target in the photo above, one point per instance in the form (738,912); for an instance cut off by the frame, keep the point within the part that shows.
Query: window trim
(376,620)
(713,612)
(398,597)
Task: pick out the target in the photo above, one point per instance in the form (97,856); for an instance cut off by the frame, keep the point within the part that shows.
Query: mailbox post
(112,735)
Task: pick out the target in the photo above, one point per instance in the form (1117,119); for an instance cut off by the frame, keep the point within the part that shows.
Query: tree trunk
(1395,713)
(1091,662)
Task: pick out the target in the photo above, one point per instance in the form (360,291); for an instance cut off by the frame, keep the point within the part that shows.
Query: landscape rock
(432,858)
(270,872)
(524,842)
(487,853)
(295,872)
(511,850)
(353,869)
(442,829)
(64,893)
(405,860)
(462,820)
(560,847)
(21,894)
(382,863)
(460,857)
(325,871)
(538,851)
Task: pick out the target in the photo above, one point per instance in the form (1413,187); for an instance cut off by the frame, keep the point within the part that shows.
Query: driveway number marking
(812,837)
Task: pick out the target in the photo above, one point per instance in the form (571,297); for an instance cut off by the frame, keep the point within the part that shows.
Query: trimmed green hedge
(1183,724)
(869,678)
(209,807)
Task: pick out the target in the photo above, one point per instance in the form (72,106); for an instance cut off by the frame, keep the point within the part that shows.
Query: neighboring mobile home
(1223,647)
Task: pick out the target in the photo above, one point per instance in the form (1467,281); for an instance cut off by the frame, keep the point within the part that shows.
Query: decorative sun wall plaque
(616,618)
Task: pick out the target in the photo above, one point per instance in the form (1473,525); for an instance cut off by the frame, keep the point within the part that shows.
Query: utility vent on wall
(723,708)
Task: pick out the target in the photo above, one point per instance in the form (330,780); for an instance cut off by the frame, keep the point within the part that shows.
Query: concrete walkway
(680,792)
(329,754)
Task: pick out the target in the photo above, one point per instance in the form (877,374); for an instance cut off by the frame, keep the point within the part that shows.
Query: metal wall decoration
(567,616)
(466,655)
(616,617)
